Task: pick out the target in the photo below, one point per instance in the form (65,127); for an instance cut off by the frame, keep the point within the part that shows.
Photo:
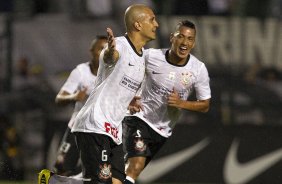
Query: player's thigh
(117,162)
(72,154)
(135,137)
(95,154)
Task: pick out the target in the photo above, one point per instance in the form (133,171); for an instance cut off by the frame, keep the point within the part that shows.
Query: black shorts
(68,156)
(139,139)
(101,158)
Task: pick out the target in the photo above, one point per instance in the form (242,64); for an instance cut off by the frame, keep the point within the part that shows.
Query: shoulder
(154,53)
(195,61)
(83,67)
(121,40)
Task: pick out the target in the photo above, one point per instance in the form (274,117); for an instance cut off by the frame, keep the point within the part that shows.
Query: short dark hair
(97,37)
(100,37)
(185,23)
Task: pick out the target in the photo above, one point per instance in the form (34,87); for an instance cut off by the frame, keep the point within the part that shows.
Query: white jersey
(80,78)
(107,104)
(161,78)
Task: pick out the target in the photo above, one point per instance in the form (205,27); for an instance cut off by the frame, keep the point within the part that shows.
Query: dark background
(240,42)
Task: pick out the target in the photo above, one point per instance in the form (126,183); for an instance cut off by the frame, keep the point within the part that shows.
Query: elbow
(205,110)
(206,106)
(57,101)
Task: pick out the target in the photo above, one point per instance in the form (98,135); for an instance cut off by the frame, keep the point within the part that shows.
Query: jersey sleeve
(119,48)
(72,83)
(202,85)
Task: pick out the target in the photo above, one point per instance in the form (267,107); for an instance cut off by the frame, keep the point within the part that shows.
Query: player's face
(149,25)
(96,50)
(183,41)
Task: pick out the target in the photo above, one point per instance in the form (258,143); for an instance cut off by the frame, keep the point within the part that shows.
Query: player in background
(76,89)
(171,75)
(97,126)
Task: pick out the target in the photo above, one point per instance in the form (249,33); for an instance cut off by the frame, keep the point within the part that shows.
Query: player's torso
(87,77)
(87,80)
(108,104)
(162,78)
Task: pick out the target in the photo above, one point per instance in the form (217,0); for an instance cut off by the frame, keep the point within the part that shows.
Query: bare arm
(111,54)
(199,106)
(64,97)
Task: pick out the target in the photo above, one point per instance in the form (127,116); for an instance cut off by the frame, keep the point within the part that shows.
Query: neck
(93,69)
(137,41)
(174,59)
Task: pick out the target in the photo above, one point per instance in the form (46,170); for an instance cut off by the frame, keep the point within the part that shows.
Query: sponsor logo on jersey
(130,83)
(111,130)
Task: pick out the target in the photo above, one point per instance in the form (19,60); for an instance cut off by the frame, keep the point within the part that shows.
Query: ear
(137,25)
(193,44)
(171,37)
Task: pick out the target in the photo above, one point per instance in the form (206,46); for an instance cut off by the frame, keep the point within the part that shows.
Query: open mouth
(183,49)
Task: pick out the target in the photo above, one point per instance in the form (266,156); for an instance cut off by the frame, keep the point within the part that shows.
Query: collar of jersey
(131,44)
(166,57)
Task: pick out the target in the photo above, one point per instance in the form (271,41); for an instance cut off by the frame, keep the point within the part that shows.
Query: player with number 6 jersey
(98,127)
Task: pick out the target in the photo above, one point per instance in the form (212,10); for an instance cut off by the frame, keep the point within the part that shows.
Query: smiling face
(182,42)
(141,21)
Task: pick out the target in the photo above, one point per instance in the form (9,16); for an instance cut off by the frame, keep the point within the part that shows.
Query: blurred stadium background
(240,41)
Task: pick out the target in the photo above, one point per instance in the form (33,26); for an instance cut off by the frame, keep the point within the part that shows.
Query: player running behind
(76,89)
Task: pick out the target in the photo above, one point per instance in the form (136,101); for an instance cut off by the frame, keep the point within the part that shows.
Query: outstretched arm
(199,106)
(64,97)
(111,54)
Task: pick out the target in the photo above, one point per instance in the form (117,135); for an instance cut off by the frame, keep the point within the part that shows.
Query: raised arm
(63,97)
(111,54)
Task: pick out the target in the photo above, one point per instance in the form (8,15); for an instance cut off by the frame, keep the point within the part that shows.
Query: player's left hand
(174,99)
(111,40)
(135,105)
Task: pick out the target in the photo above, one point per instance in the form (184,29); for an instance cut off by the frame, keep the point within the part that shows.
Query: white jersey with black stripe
(116,87)
(161,78)
(79,79)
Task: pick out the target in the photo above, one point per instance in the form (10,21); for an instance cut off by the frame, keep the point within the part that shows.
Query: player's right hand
(135,105)
(81,95)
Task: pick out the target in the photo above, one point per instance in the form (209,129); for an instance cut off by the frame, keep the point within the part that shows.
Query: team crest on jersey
(140,145)
(105,172)
(186,78)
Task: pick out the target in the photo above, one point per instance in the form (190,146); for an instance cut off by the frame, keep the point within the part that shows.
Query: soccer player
(97,126)
(76,89)
(171,75)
